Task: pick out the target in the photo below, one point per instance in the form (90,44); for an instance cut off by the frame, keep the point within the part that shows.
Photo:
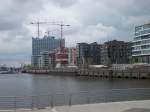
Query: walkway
(130,106)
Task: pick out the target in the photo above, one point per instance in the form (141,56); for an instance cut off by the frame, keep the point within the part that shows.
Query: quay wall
(53,72)
(108,73)
(115,73)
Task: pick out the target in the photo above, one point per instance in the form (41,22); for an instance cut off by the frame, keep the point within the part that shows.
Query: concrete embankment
(107,73)
(115,73)
(54,72)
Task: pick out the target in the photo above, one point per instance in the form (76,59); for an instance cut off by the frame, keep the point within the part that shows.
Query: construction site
(49,51)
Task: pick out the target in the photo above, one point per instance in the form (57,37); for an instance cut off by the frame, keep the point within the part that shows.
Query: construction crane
(51,23)
(38,26)
(61,55)
(61,31)
(61,34)
(49,32)
(61,28)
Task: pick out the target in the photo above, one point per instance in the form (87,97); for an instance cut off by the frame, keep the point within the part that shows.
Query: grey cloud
(134,7)
(122,15)
(9,22)
(13,16)
(94,20)
(15,38)
(65,3)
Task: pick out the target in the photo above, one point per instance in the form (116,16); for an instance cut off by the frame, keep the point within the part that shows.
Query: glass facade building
(116,52)
(88,54)
(141,44)
(43,44)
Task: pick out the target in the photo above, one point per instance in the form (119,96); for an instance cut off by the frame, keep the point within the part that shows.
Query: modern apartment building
(47,59)
(141,44)
(72,59)
(88,54)
(40,45)
(44,59)
(82,54)
(116,52)
(95,53)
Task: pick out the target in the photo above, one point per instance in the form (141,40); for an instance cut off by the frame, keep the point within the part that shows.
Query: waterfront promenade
(128,106)
(77,101)
(131,106)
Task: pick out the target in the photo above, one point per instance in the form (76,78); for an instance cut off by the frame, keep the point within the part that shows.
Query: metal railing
(84,97)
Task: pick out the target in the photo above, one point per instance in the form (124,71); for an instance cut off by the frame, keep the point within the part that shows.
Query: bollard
(52,103)
(15,104)
(70,99)
(32,102)
(88,98)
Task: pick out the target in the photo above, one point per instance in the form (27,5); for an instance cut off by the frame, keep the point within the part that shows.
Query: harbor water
(70,90)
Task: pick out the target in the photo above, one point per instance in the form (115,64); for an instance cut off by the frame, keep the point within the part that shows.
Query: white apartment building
(141,44)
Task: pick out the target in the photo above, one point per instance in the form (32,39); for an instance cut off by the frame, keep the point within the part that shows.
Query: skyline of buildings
(110,52)
(106,22)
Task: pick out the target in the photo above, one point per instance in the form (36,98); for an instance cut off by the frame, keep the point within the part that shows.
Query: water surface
(28,84)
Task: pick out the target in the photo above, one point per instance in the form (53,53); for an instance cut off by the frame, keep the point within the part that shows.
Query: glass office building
(43,44)
(141,44)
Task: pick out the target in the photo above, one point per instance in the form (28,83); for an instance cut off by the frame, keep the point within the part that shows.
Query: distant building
(47,59)
(44,59)
(116,52)
(82,54)
(88,54)
(36,60)
(62,58)
(141,44)
(72,56)
(95,53)
(44,44)
(52,60)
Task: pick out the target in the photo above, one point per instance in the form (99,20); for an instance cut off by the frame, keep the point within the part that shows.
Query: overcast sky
(90,20)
